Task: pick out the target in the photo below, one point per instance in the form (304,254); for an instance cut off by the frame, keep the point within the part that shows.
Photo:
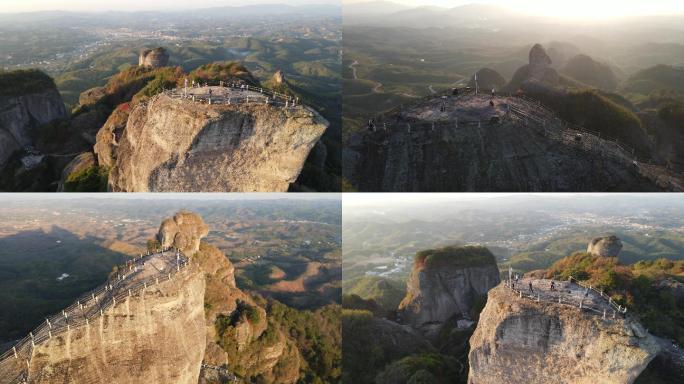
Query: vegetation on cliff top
(454,256)
(385,292)
(93,179)
(229,72)
(656,78)
(24,81)
(638,286)
(318,337)
(428,368)
(599,112)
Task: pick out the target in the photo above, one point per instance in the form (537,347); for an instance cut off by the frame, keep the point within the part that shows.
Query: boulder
(184,231)
(154,58)
(609,246)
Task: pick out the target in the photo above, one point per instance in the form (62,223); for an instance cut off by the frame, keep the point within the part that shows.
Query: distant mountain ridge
(259,10)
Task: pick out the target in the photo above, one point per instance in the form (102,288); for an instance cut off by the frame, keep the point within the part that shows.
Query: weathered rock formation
(537,74)
(22,113)
(157,337)
(184,231)
(176,145)
(165,332)
(609,246)
(506,156)
(518,340)
(154,58)
(243,346)
(438,291)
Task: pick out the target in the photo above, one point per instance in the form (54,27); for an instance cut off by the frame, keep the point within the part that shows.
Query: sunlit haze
(576,9)
(135,5)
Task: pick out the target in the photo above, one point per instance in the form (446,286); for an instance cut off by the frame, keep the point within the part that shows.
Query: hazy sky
(169,196)
(394,199)
(566,8)
(135,5)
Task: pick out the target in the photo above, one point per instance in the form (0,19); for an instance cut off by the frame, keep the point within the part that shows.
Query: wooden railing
(86,309)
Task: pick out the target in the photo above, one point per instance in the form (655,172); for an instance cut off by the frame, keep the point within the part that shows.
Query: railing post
(14,349)
(613,313)
(580,304)
(604,314)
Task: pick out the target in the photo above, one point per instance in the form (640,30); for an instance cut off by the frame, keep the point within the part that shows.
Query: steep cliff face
(519,340)
(244,343)
(157,337)
(438,291)
(504,155)
(177,145)
(21,115)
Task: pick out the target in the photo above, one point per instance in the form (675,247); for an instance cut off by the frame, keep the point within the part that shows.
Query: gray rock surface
(177,145)
(184,231)
(608,246)
(506,157)
(520,341)
(436,294)
(154,58)
(20,116)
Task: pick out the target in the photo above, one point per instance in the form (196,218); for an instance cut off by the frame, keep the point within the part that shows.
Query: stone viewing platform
(232,93)
(570,293)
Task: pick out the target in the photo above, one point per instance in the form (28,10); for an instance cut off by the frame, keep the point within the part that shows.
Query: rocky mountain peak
(446,283)
(556,342)
(184,231)
(154,58)
(219,139)
(540,62)
(608,246)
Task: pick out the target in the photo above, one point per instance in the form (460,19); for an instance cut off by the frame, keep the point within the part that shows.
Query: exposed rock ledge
(521,341)
(178,145)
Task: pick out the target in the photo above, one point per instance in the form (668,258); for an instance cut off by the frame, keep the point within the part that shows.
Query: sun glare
(597,9)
